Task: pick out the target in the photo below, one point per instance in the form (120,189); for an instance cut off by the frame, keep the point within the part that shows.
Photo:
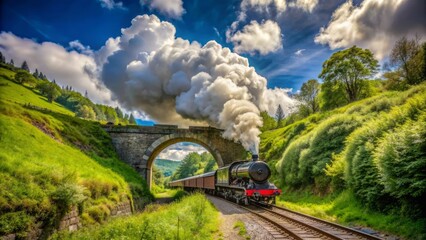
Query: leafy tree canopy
(308,97)
(349,69)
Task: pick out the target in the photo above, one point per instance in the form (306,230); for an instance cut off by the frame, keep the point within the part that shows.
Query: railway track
(286,224)
(338,231)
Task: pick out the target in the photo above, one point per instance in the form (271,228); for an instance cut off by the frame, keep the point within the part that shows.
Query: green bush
(401,161)
(361,170)
(304,161)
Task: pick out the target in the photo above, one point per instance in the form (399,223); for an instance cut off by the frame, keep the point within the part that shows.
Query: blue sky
(87,21)
(156,58)
(92,23)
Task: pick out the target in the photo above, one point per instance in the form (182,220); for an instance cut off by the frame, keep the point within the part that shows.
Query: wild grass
(50,160)
(242,231)
(194,217)
(344,209)
(14,92)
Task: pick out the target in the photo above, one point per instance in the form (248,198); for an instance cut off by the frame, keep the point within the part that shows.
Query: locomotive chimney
(255,157)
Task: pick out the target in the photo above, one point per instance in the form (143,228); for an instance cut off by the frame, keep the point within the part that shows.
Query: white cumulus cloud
(375,24)
(66,67)
(179,151)
(170,8)
(263,38)
(306,5)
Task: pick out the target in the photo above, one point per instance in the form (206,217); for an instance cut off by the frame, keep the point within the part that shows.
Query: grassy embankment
(50,160)
(194,217)
(362,164)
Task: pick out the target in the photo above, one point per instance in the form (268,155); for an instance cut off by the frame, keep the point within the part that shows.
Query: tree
(308,97)
(2,58)
(24,77)
(350,68)
(210,162)
(279,115)
(25,66)
(332,96)
(157,176)
(424,61)
(132,119)
(42,76)
(12,62)
(50,90)
(36,74)
(407,56)
(119,112)
(85,111)
(188,167)
(269,122)
(86,95)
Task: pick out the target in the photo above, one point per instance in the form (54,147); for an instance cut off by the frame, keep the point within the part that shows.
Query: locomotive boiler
(241,181)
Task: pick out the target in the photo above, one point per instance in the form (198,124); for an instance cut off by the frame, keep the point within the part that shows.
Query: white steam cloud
(176,81)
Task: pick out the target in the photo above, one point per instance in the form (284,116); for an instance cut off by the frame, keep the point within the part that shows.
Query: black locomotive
(241,181)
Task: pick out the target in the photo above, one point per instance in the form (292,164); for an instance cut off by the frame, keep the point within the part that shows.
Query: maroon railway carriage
(241,181)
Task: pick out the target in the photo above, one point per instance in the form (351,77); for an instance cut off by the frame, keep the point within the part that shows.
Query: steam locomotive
(241,181)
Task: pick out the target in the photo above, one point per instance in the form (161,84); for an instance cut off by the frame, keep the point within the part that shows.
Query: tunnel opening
(175,160)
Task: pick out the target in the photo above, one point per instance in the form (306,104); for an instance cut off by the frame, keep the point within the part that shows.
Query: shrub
(361,170)
(401,161)
(305,160)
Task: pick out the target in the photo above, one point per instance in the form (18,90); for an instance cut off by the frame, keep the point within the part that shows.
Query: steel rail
(331,224)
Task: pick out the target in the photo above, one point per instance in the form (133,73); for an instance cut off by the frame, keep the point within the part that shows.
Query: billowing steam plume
(176,81)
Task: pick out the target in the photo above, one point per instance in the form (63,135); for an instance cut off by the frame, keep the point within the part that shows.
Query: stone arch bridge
(138,146)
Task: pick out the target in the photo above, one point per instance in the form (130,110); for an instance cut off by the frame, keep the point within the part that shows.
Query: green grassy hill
(367,156)
(50,160)
(167,167)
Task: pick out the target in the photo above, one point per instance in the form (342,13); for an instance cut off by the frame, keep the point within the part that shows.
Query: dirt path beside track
(230,215)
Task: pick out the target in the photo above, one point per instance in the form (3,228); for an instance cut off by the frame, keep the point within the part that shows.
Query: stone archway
(139,145)
(163,142)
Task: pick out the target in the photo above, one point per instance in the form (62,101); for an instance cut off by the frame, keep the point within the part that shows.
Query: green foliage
(372,148)
(167,167)
(67,194)
(132,119)
(25,67)
(14,92)
(401,161)
(279,115)
(308,97)
(86,112)
(24,77)
(361,167)
(2,58)
(332,96)
(408,57)
(269,122)
(49,89)
(194,164)
(242,231)
(70,160)
(348,69)
(193,217)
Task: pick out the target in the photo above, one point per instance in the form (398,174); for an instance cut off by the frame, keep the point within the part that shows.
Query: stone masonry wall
(71,221)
